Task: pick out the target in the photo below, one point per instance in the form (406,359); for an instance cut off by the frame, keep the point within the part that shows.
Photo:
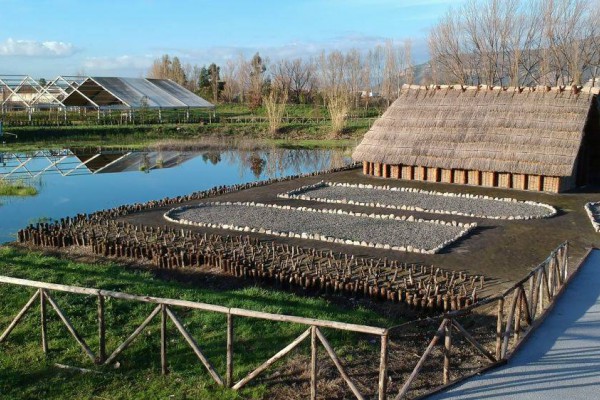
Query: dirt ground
(502,250)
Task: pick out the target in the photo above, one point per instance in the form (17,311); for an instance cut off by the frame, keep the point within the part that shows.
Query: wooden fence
(526,302)
(166,308)
(518,310)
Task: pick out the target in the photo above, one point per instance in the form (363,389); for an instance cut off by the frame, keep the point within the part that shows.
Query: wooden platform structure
(538,139)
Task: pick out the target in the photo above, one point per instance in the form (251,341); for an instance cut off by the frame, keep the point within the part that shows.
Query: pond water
(71,181)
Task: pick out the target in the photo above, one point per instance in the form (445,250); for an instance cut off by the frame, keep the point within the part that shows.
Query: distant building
(527,139)
(21,92)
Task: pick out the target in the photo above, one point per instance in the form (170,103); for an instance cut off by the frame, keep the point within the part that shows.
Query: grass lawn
(25,373)
(16,189)
(106,135)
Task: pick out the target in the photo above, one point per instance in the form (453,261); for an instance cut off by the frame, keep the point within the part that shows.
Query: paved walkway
(561,360)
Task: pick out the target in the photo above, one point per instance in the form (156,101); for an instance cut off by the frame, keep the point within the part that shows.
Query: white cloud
(297,49)
(33,48)
(118,63)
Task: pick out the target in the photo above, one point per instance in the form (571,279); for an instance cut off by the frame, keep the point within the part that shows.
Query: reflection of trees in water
(257,164)
(213,156)
(276,161)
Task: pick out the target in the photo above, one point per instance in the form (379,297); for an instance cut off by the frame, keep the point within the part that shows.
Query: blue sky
(45,38)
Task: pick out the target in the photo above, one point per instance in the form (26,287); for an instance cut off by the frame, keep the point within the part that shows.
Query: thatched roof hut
(532,138)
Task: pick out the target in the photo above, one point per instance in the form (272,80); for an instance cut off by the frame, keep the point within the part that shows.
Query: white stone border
(590,213)
(467,226)
(298,194)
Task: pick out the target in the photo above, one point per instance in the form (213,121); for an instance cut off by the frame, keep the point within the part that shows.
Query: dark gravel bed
(405,235)
(414,200)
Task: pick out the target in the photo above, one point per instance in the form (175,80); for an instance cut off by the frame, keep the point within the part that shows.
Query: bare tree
(499,42)
(167,68)
(230,76)
(257,80)
(275,103)
(334,86)
(447,49)
(354,66)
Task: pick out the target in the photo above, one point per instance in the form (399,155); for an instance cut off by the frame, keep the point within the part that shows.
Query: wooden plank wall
(503,180)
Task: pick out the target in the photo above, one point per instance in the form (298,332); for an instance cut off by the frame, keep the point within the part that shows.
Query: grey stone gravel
(593,212)
(420,235)
(438,203)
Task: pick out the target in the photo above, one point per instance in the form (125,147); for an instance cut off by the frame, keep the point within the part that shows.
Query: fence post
(517,332)
(43,321)
(101,330)
(313,362)
(447,347)
(163,339)
(229,372)
(565,266)
(499,328)
(383,367)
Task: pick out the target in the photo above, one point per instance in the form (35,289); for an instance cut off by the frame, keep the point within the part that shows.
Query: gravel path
(561,359)
(593,212)
(439,203)
(408,235)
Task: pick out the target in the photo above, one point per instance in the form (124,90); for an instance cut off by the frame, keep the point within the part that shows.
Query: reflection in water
(213,156)
(69,162)
(72,181)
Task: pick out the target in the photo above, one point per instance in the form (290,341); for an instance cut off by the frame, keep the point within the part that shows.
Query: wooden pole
(447,348)
(499,321)
(421,361)
(383,367)
(43,321)
(230,338)
(135,333)
(472,340)
(163,340)
(338,365)
(518,314)
(194,345)
(101,331)
(70,327)
(509,322)
(313,362)
(272,360)
(16,320)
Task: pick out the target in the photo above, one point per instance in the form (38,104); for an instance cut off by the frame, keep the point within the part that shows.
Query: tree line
(517,43)
(483,42)
(378,72)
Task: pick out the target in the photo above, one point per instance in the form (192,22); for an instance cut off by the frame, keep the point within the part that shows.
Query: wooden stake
(499,322)
(313,362)
(383,367)
(230,338)
(101,331)
(163,340)
(43,321)
(447,348)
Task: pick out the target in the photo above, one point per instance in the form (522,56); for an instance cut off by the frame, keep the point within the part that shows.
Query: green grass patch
(25,373)
(18,188)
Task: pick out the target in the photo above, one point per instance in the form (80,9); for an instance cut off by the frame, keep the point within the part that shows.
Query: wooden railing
(515,312)
(165,307)
(526,300)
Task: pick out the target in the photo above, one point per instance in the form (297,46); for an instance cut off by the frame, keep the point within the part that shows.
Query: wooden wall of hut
(504,180)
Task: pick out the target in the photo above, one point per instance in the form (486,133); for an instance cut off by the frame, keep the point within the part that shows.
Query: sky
(46,38)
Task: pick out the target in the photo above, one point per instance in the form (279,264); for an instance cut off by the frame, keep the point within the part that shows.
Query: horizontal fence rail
(165,307)
(516,312)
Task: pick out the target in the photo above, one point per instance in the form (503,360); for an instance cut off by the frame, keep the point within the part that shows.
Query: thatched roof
(506,130)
